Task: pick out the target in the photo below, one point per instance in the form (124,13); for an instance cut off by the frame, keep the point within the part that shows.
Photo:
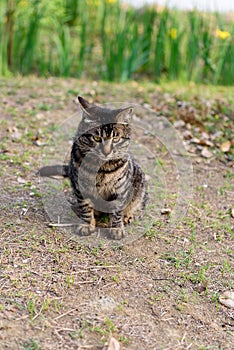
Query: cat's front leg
(86,214)
(116,230)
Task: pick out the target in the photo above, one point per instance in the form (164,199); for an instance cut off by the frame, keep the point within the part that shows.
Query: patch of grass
(181,258)
(70,280)
(31,306)
(124,340)
(153,230)
(106,328)
(199,276)
(30,344)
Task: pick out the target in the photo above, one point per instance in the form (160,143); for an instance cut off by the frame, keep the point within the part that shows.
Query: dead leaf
(113,344)
(227,299)
(202,142)
(225,146)
(195,140)
(187,135)
(205,153)
(232,212)
(205,142)
(39,143)
(201,287)
(205,136)
(165,211)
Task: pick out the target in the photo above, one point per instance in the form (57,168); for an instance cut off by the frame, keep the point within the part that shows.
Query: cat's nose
(107,149)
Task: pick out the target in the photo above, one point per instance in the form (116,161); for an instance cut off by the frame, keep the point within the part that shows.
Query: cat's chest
(108,182)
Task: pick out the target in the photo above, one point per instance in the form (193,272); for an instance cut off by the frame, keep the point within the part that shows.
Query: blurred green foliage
(111,40)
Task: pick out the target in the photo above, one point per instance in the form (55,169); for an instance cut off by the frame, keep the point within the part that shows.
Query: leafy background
(114,41)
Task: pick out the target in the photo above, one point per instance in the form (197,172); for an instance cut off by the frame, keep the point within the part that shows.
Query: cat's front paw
(116,233)
(128,219)
(84,230)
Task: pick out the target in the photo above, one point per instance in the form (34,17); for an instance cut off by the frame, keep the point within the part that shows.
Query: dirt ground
(160,291)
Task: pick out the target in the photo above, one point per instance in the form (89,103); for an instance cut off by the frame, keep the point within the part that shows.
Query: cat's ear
(84,103)
(85,106)
(124,115)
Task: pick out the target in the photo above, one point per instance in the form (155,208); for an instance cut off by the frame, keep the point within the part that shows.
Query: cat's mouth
(111,156)
(106,157)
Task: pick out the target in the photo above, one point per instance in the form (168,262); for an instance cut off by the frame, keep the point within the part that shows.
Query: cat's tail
(54,170)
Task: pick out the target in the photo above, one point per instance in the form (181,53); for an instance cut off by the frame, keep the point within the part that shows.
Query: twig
(66,329)
(21,318)
(61,225)
(66,313)
(87,347)
(102,267)
(36,273)
(83,282)
(58,335)
(38,314)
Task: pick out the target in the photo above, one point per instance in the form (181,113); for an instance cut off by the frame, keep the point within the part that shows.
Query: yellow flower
(111,1)
(221,34)
(23,3)
(173,33)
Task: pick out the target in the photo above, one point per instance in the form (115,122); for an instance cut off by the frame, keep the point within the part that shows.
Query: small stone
(179,124)
(147,177)
(39,116)
(25,261)
(20,180)
(205,153)
(232,212)
(227,299)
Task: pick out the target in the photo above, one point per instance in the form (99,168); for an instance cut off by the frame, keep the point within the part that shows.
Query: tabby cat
(105,178)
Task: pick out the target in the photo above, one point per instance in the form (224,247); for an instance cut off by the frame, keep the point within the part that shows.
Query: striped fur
(104,176)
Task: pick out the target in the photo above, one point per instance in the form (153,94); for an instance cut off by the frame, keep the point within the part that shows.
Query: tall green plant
(4,35)
(224,72)
(72,11)
(63,52)
(26,36)
(207,39)
(146,24)
(175,45)
(83,45)
(192,52)
(122,47)
(160,46)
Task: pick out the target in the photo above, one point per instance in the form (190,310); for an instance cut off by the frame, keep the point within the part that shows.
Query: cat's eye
(97,138)
(116,138)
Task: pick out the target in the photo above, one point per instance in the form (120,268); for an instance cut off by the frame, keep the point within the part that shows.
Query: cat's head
(104,131)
